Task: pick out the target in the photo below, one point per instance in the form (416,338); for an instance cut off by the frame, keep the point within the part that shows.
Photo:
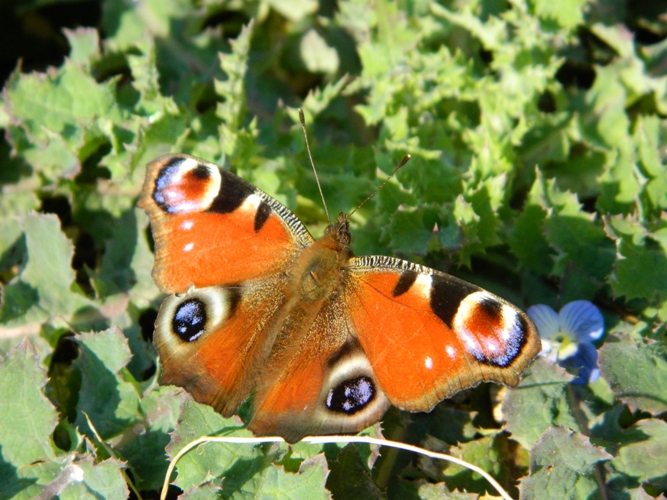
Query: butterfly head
(339,231)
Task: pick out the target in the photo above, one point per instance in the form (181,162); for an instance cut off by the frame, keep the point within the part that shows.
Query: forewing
(213,228)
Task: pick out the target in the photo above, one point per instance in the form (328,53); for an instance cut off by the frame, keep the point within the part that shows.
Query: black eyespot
(189,321)
(351,396)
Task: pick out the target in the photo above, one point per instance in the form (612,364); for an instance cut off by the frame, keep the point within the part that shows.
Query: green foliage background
(538,145)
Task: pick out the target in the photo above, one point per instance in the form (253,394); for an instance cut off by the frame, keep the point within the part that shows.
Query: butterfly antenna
(319,186)
(405,159)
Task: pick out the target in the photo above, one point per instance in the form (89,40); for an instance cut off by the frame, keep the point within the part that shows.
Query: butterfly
(322,340)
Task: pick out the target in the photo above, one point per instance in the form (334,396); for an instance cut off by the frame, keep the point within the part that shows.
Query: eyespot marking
(351,396)
(492,332)
(189,321)
(185,185)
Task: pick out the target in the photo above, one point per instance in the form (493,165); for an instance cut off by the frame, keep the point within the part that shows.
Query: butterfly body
(323,340)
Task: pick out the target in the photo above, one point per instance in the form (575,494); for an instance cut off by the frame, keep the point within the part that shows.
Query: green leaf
(528,241)
(644,459)
(232,91)
(350,476)
(102,363)
(541,401)
(57,128)
(424,490)
(567,14)
(294,10)
(146,454)
(102,480)
(317,56)
(636,373)
(84,45)
(27,418)
(54,100)
(410,231)
(641,266)
(236,462)
(274,482)
(43,287)
(562,465)
(591,250)
(485,453)
(127,261)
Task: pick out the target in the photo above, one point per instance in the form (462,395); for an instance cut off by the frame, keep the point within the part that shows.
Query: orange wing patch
(208,346)
(213,228)
(206,249)
(416,357)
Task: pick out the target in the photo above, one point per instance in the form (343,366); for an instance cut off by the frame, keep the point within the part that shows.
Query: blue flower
(567,338)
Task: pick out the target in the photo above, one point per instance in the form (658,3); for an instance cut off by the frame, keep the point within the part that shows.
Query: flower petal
(582,320)
(549,350)
(546,320)
(586,359)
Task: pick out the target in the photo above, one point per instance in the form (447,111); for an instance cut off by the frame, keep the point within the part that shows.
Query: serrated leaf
(317,56)
(232,90)
(274,482)
(641,268)
(145,75)
(636,373)
(53,100)
(57,127)
(485,453)
(425,490)
(591,250)
(409,232)
(127,261)
(27,418)
(567,14)
(84,44)
(528,241)
(43,287)
(211,460)
(294,10)
(350,476)
(644,460)
(146,454)
(102,363)
(102,480)
(540,402)
(562,465)
(29,482)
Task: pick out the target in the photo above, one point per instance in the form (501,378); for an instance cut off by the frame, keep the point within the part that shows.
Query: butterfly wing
(223,246)
(213,341)
(213,228)
(428,335)
(393,332)
(323,384)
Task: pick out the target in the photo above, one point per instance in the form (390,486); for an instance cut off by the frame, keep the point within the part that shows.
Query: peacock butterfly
(325,341)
